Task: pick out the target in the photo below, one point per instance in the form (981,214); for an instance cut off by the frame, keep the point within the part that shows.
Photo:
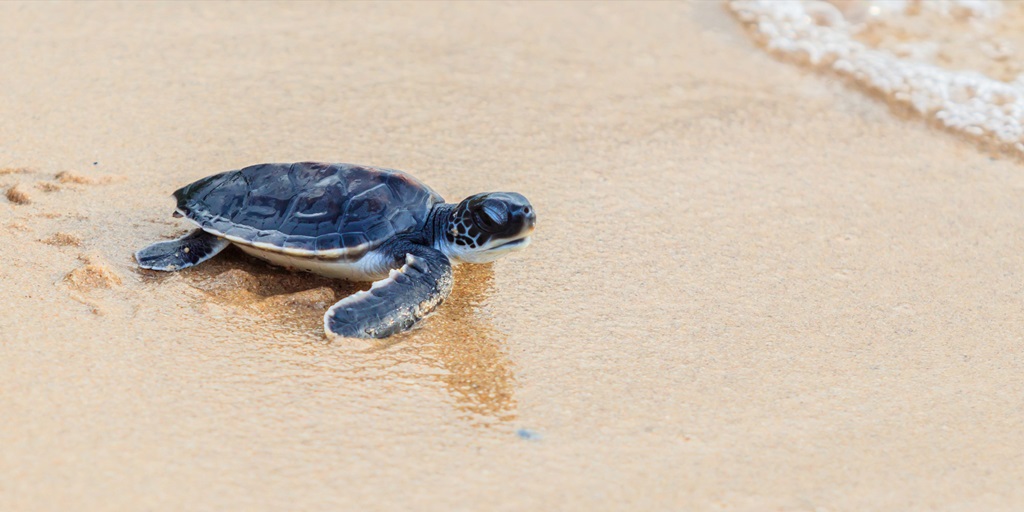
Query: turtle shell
(309,209)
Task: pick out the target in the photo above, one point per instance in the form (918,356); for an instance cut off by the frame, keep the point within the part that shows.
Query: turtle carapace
(351,222)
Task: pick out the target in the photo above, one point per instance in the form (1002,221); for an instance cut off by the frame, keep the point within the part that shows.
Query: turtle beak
(529,218)
(526,219)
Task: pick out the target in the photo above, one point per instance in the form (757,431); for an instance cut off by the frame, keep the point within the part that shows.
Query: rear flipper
(397,302)
(189,250)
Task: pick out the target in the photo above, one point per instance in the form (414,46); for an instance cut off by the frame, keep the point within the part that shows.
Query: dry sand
(751,288)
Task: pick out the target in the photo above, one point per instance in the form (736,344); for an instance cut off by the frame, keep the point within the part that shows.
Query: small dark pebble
(95,163)
(528,434)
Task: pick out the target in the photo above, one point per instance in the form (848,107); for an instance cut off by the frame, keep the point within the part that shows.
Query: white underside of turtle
(371,267)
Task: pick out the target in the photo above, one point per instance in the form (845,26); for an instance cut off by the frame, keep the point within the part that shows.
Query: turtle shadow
(268,280)
(294,301)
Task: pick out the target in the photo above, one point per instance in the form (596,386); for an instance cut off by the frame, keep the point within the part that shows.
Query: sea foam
(823,36)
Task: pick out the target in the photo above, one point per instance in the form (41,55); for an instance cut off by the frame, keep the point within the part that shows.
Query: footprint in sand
(86,281)
(48,186)
(17,196)
(61,239)
(92,276)
(14,170)
(73,178)
(16,193)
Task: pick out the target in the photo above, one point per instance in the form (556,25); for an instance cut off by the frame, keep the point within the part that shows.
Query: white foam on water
(822,36)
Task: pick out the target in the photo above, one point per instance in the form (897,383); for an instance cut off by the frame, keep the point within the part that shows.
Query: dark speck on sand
(528,434)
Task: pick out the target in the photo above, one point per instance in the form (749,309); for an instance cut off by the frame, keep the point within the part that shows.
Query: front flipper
(189,250)
(397,302)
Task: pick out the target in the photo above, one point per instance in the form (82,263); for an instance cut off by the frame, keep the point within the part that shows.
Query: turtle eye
(483,220)
(491,216)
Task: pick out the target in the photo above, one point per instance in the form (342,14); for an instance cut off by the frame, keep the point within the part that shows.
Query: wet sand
(751,287)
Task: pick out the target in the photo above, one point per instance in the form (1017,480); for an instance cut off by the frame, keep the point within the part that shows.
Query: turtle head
(487,226)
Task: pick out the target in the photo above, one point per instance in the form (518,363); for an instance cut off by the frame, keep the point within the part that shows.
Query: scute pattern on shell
(340,210)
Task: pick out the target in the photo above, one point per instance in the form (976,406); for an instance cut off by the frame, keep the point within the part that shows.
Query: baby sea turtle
(352,222)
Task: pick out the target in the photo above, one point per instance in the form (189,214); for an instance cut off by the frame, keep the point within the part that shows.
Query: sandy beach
(752,287)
